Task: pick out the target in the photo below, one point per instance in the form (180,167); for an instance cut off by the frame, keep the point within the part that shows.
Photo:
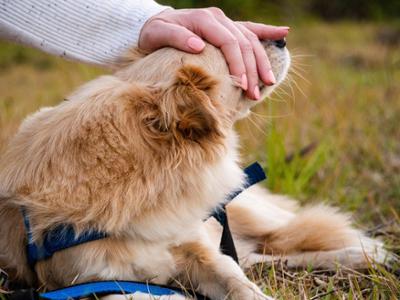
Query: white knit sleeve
(91,31)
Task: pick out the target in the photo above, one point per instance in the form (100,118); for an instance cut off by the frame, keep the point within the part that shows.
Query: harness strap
(254,174)
(108,287)
(101,288)
(227,245)
(61,237)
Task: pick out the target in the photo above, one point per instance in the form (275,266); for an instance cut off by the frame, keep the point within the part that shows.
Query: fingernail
(196,44)
(244,82)
(257,92)
(284,27)
(271,76)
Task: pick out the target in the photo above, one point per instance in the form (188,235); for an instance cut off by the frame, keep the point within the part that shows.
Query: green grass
(347,106)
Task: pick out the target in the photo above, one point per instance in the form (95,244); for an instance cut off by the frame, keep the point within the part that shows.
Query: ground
(331,135)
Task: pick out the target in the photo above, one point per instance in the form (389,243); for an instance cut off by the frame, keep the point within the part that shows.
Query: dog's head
(194,98)
(279,58)
(162,65)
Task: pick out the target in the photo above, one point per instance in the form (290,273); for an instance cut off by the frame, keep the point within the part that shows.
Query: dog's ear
(195,77)
(196,110)
(185,109)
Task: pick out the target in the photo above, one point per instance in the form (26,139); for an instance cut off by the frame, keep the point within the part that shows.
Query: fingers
(263,64)
(207,26)
(248,56)
(239,41)
(266,32)
(252,63)
(161,34)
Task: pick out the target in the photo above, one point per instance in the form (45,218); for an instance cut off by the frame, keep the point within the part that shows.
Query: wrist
(158,16)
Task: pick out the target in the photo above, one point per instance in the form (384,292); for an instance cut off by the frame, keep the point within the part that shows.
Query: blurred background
(290,11)
(330,134)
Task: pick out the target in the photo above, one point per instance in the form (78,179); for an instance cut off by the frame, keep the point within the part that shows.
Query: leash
(63,237)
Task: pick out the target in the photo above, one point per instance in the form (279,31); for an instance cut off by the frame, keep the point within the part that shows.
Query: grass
(331,136)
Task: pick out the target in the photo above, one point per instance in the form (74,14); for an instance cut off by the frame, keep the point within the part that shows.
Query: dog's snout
(280,43)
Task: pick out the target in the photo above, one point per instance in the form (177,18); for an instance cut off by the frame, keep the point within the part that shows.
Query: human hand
(239,41)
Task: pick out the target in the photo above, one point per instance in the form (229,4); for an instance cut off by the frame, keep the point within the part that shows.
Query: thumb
(159,34)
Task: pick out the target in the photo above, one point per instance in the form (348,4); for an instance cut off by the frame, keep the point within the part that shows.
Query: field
(330,134)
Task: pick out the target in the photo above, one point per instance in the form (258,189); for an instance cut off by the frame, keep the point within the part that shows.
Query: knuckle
(252,37)
(216,11)
(253,72)
(197,14)
(245,23)
(231,42)
(246,47)
(204,13)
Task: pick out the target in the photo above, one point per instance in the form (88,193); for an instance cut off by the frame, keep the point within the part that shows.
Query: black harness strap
(254,174)
(227,246)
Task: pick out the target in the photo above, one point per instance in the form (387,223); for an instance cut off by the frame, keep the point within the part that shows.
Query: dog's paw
(249,295)
(248,292)
(145,296)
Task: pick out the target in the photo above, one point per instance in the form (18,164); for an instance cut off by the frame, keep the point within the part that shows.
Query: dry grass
(348,104)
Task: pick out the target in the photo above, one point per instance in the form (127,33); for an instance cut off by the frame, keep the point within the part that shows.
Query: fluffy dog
(145,155)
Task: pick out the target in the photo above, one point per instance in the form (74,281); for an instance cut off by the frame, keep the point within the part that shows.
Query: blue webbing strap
(101,288)
(108,287)
(61,237)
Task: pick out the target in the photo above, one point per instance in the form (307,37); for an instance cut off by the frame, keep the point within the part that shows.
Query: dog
(145,155)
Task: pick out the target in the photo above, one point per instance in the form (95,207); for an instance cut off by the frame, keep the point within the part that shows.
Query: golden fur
(145,155)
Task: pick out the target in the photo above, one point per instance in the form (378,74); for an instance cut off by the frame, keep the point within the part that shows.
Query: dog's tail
(317,229)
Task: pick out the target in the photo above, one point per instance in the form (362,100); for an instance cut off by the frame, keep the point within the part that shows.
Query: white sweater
(91,31)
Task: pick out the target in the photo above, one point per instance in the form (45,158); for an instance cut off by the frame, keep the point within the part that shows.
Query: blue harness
(63,237)
(110,287)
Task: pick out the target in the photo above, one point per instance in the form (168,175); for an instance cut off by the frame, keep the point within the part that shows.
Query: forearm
(91,31)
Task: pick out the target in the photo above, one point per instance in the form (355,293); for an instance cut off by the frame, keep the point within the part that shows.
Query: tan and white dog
(145,155)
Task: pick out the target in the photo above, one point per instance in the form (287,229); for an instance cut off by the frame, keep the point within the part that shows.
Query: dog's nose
(280,43)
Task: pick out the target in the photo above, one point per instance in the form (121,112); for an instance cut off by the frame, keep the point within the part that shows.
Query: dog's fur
(145,155)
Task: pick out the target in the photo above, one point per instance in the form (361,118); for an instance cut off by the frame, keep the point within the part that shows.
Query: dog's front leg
(213,274)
